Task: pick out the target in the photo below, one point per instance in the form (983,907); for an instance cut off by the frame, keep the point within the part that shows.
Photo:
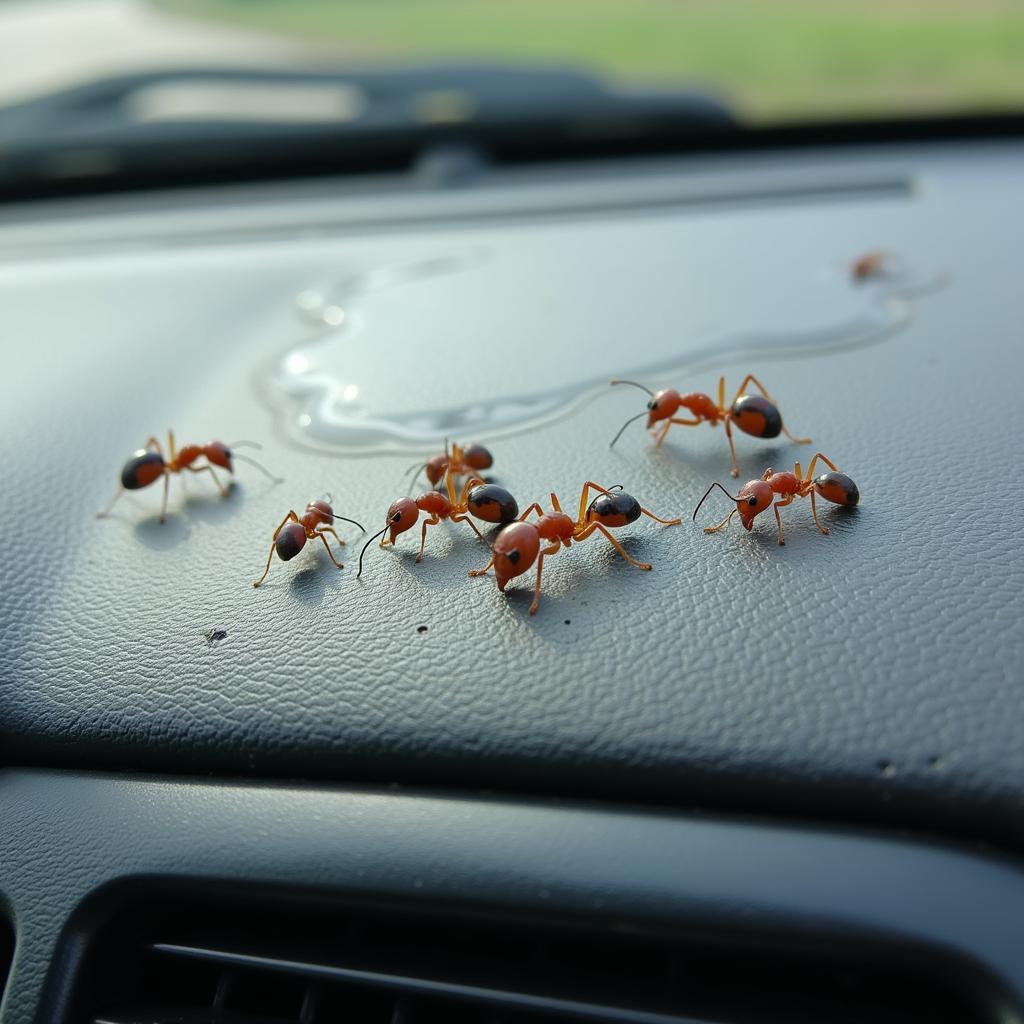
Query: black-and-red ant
(757,495)
(472,458)
(518,545)
(757,415)
(294,530)
(487,502)
(148,465)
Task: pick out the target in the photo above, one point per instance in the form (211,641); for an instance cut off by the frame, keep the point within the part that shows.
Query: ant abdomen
(142,469)
(290,541)
(618,509)
(837,488)
(477,457)
(492,503)
(757,416)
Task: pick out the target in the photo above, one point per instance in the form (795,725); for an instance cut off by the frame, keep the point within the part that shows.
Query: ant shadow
(212,510)
(313,584)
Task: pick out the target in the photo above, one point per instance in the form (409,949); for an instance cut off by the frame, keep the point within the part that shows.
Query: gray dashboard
(871,677)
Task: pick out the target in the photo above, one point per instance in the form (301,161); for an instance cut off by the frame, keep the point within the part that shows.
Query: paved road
(48,44)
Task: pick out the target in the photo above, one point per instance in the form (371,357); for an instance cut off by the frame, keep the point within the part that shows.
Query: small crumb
(421,629)
(568,622)
(214,635)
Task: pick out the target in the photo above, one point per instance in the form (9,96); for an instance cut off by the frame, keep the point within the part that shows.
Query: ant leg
(171,445)
(828,462)
(167,487)
(432,521)
(113,502)
(154,445)
(735,471)
(484,570)
(458,518)
(778,519)
(587,488)
(471,482)
(319,533)
(330,530)
(535,505)
(540,569)
(292,516)
(814,515)
(722,525)
(554,503)
(224,492)
(795,440)
(651,515)
(751,379)
(659,435)
(618,547)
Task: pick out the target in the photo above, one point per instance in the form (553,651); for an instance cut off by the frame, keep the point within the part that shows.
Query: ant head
(753,498)
(402,516)
(663,404)
(317,512)
(476,456)
(435,467)
(434,502)
(219,454)
(515,550)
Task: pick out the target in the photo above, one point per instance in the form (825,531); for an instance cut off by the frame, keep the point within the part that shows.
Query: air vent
(162,964)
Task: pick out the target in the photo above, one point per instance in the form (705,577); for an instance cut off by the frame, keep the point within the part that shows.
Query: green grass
(793,59)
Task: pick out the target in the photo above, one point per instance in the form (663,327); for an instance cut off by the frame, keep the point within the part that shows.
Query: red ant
(474,458)
(518,545)
(488,502)
(148,464)
(291,535)
(876,264)
(756,495)
(757,415)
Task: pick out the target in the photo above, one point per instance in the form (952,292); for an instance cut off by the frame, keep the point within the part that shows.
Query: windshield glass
(768,62)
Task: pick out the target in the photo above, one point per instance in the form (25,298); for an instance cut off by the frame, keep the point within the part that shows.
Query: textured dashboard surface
(872,674)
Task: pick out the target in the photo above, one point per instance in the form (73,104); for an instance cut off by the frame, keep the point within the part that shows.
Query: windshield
(118,94)
(769,62)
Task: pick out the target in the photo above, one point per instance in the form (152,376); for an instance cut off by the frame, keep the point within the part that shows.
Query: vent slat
(179,962)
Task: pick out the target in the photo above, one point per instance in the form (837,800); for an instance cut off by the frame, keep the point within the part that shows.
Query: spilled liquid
(478,342)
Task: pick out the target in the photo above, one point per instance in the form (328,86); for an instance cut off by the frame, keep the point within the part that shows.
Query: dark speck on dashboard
(215,635)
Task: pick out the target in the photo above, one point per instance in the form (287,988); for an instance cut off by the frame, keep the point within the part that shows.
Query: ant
(291,535)
(876,264)
(489,502)
(756,495)
(757,415)
(148,464)
(518,545)
(473,458)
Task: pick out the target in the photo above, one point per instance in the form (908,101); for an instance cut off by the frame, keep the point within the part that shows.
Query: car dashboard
(756,783)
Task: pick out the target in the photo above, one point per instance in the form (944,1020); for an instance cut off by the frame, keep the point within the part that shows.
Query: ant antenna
(634,384)
(344,519)
(366,545)
(707,492)
(253,462)
(627,423)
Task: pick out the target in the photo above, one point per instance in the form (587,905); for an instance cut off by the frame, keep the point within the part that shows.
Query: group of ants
(522,541)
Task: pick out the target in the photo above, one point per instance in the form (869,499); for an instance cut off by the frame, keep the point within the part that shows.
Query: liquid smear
(398,358)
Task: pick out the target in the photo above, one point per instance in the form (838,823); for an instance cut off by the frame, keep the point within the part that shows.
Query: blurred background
(768,62)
